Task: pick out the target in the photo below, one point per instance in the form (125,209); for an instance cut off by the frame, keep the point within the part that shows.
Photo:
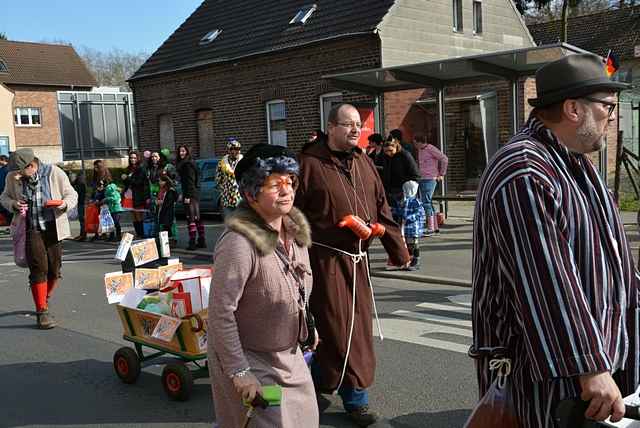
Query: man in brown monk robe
(337,179)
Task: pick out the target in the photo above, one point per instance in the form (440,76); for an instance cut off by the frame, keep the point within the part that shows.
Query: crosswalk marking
(439,307)
(415,327)
(432,317)
(412,331)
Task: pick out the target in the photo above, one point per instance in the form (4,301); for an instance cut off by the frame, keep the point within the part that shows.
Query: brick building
(30,76)
(253,70)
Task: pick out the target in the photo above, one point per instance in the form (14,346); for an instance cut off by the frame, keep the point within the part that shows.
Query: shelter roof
(506,64)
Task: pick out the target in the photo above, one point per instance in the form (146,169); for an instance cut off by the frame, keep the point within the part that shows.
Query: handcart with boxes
(163,310)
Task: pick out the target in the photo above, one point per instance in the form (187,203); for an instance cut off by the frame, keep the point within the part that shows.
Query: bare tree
(114,67)
(552,11)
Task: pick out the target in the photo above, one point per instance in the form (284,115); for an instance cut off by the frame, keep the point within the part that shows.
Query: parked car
(209,193)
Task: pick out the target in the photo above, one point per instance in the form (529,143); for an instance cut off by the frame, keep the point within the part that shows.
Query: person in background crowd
(398,167)
(316,136)
(136,180)
(97,198)
(4,170)
(79,184)
(32,191)
(154,169)
(412,217)
(374,149)
(169,168)
(113,200)
(554,280)
(433,167)
(226,179)
(338,179)
(190,180)
(396,134)
(167,198)
(100,173)
(257,311)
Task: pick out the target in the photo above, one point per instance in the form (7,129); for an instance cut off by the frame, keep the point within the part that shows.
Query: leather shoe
(363,416)
(45,320)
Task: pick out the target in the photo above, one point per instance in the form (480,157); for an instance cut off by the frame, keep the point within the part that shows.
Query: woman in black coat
(136,180)
(398,167)
(190,181)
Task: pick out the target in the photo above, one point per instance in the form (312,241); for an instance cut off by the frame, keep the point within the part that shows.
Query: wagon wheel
(126,364)
(177,381)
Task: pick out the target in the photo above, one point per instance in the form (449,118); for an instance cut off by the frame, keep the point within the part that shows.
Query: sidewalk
(445,258)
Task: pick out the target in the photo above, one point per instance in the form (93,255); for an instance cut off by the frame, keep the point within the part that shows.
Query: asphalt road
(64,377)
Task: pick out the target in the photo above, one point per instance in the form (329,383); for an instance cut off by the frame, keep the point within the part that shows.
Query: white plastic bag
(106,224)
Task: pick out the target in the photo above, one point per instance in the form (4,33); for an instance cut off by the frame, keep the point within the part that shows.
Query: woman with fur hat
(263,282)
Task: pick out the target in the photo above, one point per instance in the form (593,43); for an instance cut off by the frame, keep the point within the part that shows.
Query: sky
(129,25)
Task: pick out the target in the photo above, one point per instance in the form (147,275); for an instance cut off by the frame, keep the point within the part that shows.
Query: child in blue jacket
(412,219)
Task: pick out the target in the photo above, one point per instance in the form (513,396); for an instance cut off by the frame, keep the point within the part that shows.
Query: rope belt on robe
(356,258)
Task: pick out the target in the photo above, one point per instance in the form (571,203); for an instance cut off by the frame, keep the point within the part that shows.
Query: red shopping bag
(91,218)
(127,201)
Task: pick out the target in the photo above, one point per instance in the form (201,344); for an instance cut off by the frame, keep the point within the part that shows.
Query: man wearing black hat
(40,195)
(554,282)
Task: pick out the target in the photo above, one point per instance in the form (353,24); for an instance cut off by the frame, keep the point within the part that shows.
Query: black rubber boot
(201,242)
(192,245)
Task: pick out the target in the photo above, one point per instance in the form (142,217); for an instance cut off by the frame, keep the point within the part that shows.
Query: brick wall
(236,94)
(44,98)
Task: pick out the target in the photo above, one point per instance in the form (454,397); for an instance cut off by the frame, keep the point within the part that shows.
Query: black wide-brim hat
(573,76)
(260,151)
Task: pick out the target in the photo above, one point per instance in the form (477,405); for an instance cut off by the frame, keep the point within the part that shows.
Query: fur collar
(249,224)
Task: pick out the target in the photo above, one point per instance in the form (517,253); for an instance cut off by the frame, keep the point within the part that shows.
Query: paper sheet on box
(125,245)
(166,328)
(116,285)
(133,298)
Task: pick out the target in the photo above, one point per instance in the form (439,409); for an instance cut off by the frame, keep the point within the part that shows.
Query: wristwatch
(241,373)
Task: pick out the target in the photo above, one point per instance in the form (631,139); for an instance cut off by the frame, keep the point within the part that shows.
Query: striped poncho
(553,276)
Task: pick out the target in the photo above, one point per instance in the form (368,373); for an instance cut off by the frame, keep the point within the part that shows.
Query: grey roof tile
(43,64)
(259,26)
(616,29)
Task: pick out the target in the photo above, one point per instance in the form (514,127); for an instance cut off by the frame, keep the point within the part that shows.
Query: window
(477,16)
(210,36)
(303,14)
(457,15)
(326,102)
(3,67)
(27,116)
(276,123)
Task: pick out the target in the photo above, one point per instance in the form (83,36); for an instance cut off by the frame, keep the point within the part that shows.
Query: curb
(422,278)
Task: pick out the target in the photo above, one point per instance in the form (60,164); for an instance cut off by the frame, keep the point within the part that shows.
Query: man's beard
(588,132)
